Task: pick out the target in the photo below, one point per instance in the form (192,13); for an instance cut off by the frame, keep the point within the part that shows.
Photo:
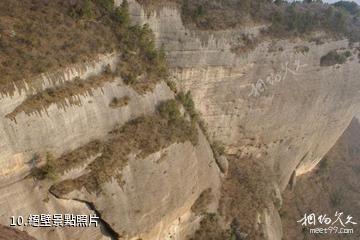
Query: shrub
(218,148)
(347,54)
(302,49)
(172,85)
(49,169)
(87,9)
(301,19)
(36,172)
(210,228)
(199,12)
(107,5)
(351,7)
(188,103)
(323,166)
(170,110)
(143,64)
(84,8)
(293,21)
(332,58)
(121,14)
(119,102)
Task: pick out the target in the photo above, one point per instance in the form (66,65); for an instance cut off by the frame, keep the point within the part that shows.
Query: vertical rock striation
(296,115)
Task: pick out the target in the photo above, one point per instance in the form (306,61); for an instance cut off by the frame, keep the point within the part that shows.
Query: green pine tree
(122,13)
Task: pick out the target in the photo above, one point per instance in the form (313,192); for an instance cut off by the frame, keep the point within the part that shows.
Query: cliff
(68,131)
(276,104)
(331,188)
(293,107)
(91,137)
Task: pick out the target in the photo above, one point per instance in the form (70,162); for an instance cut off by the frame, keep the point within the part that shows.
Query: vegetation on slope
(351,7)
(210,228)
(39,35)
(119,102)
(333,186)
(334,57)
(284,19)
(62,95)
(144,136)
(245,191)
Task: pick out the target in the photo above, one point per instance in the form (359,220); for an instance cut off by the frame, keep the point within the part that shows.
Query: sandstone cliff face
(272,104)
(159,190)
(332,187)
(299,105)
(63,127)
(26,197)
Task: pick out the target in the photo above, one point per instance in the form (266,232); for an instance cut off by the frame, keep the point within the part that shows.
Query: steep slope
(295,99)
(275,103)
(332,187)
(106,136)
(98,135)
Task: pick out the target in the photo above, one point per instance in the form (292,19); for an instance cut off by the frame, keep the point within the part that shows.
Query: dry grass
(201,204)
(210,14)
(39,36)
(245,191)
(334,57)
(141,65)
(119,102)
(334,186)
(301,49)
(73,159)
(286,20)
(62,96)
(211,229)
(144,136)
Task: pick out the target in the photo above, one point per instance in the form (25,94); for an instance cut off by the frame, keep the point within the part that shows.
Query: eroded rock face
(7,233)
(61,128)
(157,191)
(273,103)
(29,197)
(296,105)
(156,194)
(332,187)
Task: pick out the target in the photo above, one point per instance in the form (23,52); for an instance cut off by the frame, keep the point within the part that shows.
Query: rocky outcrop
(332,187)
(274,103)
(274,107)
(7,233)
(63,127)
(153,196)
(298,103)
(28,197)
(157,193)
